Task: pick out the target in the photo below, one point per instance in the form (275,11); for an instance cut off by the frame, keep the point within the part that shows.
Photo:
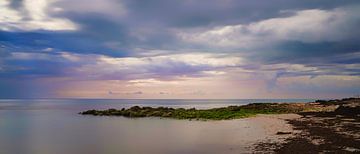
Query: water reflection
(46,127)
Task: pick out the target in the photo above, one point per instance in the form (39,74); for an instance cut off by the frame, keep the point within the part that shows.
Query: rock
(283,133)
(348,110)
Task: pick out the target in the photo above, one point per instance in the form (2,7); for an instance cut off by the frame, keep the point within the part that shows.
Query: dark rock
(283,133)
(348,110)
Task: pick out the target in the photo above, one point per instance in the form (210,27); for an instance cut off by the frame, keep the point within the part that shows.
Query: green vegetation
(230,112)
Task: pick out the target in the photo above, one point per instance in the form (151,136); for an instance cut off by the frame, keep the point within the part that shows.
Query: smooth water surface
(53,127)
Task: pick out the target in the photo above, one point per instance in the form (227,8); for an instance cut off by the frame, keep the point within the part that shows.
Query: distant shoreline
(222,113)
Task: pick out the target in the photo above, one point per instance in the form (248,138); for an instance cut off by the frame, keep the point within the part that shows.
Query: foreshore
(336,131)
(313,127)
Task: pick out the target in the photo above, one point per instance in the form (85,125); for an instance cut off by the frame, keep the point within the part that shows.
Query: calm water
(54,127)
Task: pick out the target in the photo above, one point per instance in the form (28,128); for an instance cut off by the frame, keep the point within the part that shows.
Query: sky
(179,49)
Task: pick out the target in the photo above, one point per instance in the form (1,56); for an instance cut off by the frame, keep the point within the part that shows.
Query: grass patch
(224,113)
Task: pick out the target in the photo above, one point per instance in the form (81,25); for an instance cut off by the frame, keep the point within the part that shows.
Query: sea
(53,126)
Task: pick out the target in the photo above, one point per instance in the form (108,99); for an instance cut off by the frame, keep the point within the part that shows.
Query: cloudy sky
(179,49)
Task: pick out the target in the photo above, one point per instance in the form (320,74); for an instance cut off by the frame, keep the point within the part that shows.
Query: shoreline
(275,126)
(221,113)
(336,131)
(320,126)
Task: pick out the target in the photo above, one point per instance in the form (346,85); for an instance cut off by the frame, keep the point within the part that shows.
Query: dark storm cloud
(136,28)
(307,53)
(150,24)
(16,4)
(190,13)
(67,41)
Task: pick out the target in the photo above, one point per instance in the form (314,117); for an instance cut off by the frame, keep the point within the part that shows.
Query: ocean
(51,126)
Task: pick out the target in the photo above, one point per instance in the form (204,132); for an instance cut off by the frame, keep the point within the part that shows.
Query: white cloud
(192,59)
(306,25)
(150,82)
(183,63)
(29,56)
(214,72)
(289,67)
(70,56)
(109,8)
(34,17)
(178,65)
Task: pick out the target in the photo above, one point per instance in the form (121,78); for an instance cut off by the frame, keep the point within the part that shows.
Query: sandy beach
(271,125)
(329,131)
(248,132)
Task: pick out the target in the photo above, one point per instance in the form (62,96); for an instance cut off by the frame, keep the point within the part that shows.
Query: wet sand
(336,131)
(271,125)
(261,128)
